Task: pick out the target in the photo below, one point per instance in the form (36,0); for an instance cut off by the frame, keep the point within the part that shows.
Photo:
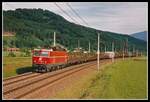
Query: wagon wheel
(39,68)
(43,67)
(46,70)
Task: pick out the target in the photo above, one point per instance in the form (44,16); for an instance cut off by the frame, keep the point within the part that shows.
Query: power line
(65,12)
(76,13)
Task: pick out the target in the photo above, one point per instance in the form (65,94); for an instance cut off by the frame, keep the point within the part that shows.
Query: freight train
(46,60)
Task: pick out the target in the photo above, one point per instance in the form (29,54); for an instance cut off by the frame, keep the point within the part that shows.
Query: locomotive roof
(109,52)
(53,49)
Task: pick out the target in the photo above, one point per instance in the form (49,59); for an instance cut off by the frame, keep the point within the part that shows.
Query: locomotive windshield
(40,53)
(44,53)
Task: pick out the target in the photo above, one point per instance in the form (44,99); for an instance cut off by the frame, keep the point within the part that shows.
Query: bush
(22,54)
(25,53)
(11,54)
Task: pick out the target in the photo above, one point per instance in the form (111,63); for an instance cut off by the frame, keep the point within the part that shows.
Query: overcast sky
(119,17)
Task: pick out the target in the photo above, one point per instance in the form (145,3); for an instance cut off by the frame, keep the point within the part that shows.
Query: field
(121,80)
(16,65)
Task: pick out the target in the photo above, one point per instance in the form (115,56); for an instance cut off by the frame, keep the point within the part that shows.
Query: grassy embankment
(16,65)
(124,80)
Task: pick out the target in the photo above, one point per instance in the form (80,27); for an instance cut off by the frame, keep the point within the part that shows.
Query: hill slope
(35,27)
(140,35)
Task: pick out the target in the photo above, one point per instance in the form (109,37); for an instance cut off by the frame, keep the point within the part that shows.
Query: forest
(34,28)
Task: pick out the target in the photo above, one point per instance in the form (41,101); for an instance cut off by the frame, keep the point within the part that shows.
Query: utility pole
(137,52)
(89,47)
(113,51)
(130,54)
(123,51)
(105,48)
(141,53)
(127,46)
(98,53)
(78,44)
(133,50)
(54,39)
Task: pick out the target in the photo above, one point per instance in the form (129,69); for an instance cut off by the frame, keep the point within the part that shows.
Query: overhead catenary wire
(77,14)
(71,17)
(65,13)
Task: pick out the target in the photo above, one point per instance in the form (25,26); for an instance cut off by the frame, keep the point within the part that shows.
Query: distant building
(78,49)
(11,49)
(8,34)
(110,54)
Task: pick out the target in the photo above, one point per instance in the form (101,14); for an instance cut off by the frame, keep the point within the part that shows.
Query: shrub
(11,54)
(25,53)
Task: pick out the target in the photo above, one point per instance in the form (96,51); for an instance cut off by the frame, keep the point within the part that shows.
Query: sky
(119,17)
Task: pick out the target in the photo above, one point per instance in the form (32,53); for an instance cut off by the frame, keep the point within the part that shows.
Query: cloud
(121,17)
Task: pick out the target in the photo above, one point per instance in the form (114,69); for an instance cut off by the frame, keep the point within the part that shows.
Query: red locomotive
(48,59)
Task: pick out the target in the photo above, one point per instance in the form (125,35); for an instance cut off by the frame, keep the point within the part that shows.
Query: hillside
(35,27)
(140,35)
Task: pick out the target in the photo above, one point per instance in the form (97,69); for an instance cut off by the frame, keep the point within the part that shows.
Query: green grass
(122,80)
(17,54)
(16,65)
(8,37)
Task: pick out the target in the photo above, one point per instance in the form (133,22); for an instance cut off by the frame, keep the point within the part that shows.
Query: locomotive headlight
(40,58)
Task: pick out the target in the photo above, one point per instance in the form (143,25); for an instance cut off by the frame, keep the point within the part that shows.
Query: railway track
(27,84)
(66,74)
(19,78)
(30,84)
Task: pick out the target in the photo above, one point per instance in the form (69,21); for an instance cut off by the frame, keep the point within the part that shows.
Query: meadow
(16,65)
(124,79)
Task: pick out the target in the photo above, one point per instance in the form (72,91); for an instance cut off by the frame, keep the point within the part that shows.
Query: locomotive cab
(44,60)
